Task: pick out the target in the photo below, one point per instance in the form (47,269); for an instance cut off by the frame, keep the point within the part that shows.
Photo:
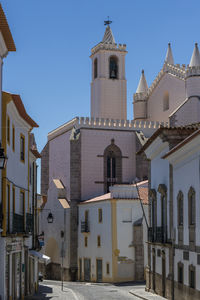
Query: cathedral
(85,156)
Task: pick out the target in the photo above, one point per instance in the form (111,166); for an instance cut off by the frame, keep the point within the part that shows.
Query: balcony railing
(18,223)
(157,235)
(85,227)
(29,222)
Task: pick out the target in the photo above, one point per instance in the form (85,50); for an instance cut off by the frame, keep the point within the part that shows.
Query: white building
(112,235)
(19,197)
(173,243)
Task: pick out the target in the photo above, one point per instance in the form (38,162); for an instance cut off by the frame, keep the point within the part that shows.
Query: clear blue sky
(51,68)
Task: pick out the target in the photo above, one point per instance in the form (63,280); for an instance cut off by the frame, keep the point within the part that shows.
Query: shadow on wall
(53,270)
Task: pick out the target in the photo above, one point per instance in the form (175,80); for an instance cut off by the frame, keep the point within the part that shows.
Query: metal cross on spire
(107,22)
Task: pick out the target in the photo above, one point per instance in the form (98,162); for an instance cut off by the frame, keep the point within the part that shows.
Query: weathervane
(107,22)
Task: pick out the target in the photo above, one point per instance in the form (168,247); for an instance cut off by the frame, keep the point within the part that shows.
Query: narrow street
(84,291)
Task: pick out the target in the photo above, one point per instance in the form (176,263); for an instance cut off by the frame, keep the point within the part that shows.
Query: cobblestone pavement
(84,291)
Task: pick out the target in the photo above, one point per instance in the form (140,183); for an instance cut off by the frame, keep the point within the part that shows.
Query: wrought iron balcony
(29,222)
(85,227)
(157,235)
(18,223)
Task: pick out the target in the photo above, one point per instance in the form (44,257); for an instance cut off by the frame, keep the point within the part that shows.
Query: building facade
(19,196)
(112,235)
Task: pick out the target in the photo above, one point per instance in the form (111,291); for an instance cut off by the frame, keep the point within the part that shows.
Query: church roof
(108,36)
(142,86)
(169,56)
(195,59)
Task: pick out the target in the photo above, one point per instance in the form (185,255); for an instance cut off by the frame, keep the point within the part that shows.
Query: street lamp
(50,218)
(3,158)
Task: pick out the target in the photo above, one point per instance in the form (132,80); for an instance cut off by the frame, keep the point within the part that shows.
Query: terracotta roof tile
(143,194)
(5,30)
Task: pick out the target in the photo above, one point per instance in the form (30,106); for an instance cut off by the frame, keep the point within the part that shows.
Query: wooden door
(86,269)
(99,270)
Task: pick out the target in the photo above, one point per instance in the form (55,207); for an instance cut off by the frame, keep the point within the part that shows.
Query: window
(180,273)
(180,208)
(107,268)
(186,255)
(100,215)
(166,101)
(95,68)
(191,206)
(22,148)
(13,138)
(86,241)
(112,165)
(22,203)
(98,241)
(113,67)
(192,276)
(8,130)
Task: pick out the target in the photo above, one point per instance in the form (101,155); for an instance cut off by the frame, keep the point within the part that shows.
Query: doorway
(99,270)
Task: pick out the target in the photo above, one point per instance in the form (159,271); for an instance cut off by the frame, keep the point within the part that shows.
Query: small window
(95,68)
(180,273)
(13,138)
(166,101)
(158,252)
(186,255)
(100,215)
(8,130)
(86,241)
(180,208)
(191,206)
(98,241)
(192,277)
(198,259)
(22,203)
(22,148)
(107,268)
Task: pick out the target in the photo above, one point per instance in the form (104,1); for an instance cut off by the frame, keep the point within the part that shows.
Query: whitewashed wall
(103,229)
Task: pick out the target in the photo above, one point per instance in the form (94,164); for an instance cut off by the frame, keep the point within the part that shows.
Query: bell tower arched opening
(113,67)
(95,68)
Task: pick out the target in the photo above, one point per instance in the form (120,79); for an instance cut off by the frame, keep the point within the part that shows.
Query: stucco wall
(103,229)
(188,113)
(93,143)
(176,89)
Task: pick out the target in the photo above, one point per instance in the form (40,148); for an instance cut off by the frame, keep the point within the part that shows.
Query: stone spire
(142,86)
(195,59)
(108,36)
(169,56)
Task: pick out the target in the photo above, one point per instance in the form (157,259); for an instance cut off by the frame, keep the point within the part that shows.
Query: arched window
(166,101)
(180,208)
(191,206)
(95,68)
(112,166)
(113,67)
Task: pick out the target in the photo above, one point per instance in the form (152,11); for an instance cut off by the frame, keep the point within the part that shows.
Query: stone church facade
(87,155)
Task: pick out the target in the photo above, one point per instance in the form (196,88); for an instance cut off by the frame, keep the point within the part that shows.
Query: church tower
(108,86)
